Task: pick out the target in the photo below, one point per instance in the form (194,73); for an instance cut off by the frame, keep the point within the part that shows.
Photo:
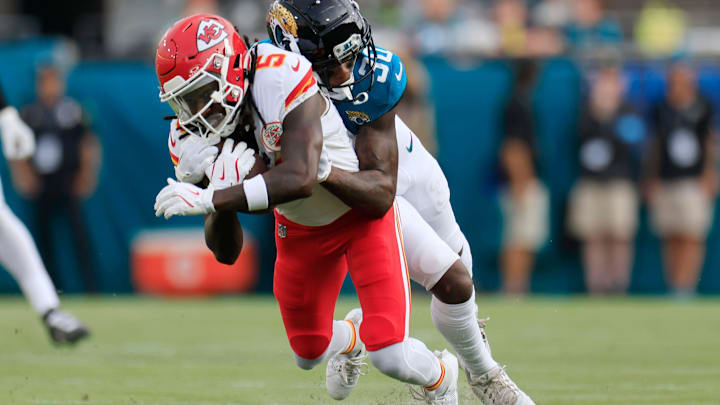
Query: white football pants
(431,235)
(20,257)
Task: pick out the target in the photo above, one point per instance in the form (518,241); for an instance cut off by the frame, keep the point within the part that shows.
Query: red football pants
(310,268)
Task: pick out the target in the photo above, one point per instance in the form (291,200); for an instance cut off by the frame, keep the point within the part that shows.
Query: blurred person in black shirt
(63,171)
(18,253)
(682,179)
(603,208)
(524,201)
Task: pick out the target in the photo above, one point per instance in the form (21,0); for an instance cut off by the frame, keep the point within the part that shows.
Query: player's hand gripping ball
(231,166)
(195,157)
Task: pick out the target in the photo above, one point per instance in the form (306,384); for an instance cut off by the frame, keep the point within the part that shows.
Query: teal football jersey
(371,102)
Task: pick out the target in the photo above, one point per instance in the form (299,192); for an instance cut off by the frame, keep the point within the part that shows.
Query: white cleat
(495,387)
(344,370)
(446,393)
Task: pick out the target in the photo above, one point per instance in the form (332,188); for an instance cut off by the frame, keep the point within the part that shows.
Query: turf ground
(233,351)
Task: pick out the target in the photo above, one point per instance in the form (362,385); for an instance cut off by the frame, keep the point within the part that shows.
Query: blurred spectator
(552,13)
(511,18)
(683,181)
(445,27)
(660,29)
(244,14)
(524,202)
(62,173)
(193,7)
(604,203)
(517,38)
(591,29)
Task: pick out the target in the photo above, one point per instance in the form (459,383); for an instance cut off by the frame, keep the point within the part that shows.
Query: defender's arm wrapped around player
(372,189)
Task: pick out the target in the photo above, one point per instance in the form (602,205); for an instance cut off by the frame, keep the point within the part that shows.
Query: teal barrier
(469,98)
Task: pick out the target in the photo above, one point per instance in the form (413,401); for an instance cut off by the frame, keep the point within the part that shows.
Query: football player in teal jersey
(365,83)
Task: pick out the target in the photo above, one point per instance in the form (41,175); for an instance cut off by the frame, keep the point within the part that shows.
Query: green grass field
(233,351)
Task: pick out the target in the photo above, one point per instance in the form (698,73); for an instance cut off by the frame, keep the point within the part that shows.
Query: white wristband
(256,193)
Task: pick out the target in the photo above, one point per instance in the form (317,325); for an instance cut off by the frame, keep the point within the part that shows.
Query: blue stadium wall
(121,98)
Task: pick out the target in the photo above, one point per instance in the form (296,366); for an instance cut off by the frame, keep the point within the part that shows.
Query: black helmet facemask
(348,51)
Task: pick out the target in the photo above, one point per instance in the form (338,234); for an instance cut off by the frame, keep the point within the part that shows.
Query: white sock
(20,257)
(458,323)
(409,361)
(466,256)
(344,339)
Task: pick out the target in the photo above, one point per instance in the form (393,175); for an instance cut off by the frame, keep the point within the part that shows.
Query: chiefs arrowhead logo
(209,34)
(271,134)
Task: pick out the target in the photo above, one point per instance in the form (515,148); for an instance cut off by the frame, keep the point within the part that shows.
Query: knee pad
(309,348)
(378,332)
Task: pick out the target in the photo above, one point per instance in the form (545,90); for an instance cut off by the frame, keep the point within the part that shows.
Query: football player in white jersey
(366,83)
(18,253)
(212,81)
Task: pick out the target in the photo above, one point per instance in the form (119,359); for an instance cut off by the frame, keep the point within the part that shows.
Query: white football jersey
(283,81)
(173,141)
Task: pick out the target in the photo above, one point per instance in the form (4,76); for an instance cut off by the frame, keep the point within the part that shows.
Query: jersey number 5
(271,60)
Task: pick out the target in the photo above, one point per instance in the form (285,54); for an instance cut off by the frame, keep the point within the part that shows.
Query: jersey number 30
(384,58)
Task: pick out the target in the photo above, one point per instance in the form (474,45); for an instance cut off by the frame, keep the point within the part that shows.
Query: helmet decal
(349,48)
(210,33)
(328,33)
(284,18)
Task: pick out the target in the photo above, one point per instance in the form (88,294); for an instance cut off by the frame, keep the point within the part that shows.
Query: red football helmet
(201,65)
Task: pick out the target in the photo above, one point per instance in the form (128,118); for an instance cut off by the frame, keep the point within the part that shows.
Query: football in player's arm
(290,180)
(375,98)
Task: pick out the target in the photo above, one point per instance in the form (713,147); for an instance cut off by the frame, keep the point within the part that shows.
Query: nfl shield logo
(282,230)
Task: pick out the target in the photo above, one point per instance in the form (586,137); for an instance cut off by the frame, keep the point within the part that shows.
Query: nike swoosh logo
(223,175)
(296,67)
(409,148)
(398,75)
(172,142)
(193,192)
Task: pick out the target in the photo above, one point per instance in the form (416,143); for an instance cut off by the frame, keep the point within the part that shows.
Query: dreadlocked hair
(250,74)
(245,130)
